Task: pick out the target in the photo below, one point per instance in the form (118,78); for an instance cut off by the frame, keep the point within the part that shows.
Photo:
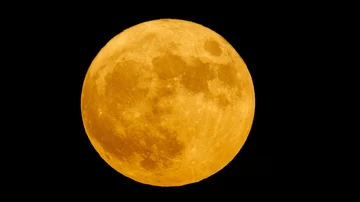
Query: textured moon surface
(168,102)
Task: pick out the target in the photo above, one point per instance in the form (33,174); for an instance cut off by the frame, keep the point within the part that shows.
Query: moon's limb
(168,112)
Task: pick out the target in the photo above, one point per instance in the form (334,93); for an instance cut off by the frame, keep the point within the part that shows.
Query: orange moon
(168,102)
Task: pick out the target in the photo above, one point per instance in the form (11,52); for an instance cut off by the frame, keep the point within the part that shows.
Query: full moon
(167,102)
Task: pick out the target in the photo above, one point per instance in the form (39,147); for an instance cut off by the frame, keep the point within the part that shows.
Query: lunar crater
(213,47)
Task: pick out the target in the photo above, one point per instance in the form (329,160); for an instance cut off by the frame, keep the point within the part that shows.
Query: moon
(167,102)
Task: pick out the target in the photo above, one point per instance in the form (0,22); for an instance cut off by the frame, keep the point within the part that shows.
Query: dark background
(72,42)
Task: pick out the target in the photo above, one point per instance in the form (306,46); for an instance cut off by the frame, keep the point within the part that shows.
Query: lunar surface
(168,102)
